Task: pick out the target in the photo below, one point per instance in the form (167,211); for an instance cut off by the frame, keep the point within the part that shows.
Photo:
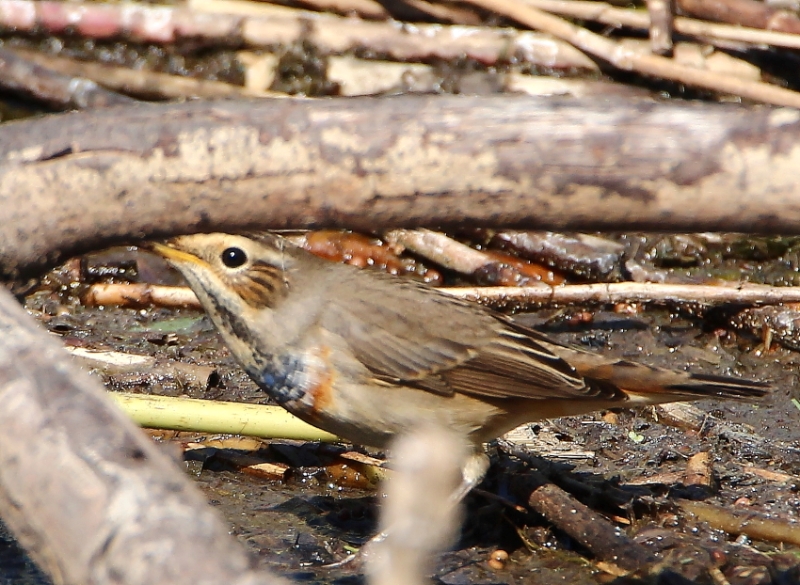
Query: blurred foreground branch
(91,498)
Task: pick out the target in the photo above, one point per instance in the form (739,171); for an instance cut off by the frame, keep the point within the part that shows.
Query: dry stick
(306,8)
(445,12)
(90,497)
(661,26)
(364,8)
(709,31)
(770,475)
(604,540)
(620,292)
(330,34)
(754,524)
(629,61)
(24,76)
(141,83)
(439,248)
(137,295)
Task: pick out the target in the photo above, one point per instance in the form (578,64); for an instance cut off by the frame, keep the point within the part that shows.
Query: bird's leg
(472,473)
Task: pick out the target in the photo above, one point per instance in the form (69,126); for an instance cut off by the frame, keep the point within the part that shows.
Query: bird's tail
(653,385)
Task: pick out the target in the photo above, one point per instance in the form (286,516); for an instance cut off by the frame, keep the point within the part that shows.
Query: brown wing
(517,365)
(405,332)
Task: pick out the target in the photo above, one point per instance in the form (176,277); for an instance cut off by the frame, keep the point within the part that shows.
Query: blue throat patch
(284,379)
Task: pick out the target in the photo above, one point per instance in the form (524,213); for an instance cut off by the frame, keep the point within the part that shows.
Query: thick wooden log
(69,183)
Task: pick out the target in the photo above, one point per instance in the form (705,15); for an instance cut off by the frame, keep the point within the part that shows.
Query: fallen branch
(328,33)
(141,83)
(743,12)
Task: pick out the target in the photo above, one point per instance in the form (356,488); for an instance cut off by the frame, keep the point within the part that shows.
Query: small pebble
(498,559)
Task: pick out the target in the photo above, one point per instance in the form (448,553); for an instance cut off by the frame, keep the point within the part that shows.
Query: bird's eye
(233,257)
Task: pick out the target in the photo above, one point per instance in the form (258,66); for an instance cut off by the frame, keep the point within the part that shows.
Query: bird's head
(239,280)
(238,271)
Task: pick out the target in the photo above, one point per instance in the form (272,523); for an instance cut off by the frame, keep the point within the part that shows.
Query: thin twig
(605,294)
(620,292)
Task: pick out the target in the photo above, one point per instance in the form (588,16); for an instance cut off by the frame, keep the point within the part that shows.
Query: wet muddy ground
(295,525)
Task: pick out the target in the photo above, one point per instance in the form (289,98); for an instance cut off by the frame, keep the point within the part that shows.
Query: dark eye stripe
(261,286)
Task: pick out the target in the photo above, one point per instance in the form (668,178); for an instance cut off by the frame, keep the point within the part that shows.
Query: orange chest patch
(321,392)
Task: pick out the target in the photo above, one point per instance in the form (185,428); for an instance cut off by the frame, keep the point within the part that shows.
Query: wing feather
(445,345)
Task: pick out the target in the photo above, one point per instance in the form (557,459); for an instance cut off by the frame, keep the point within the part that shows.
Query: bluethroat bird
(367,356)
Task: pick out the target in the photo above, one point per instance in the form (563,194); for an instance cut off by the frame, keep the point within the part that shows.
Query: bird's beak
(173,254)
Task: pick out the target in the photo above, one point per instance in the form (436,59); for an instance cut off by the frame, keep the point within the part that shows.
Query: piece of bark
(698,470)
(744,13)
(586,256)
(157,170)
(779,323)
(90,497)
